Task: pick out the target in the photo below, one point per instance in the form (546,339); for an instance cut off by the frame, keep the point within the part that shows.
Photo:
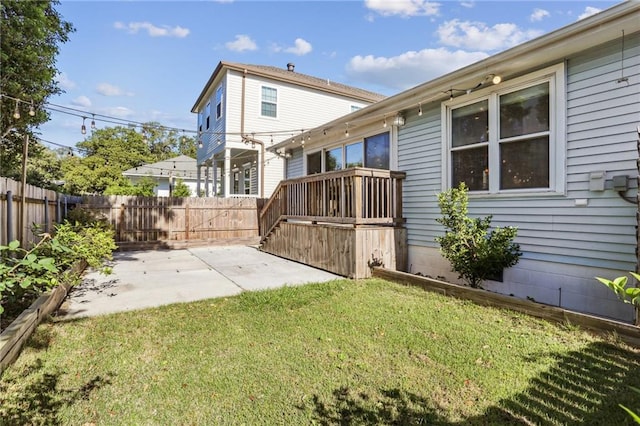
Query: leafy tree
(144,187)
(180,189)
(30,35)
(111,150)
(165,143)
(45,169)
(475,253)
(104,156)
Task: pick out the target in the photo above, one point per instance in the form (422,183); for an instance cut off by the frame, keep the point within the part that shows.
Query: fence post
(9,216)
(46,215)
(58,209)
(186,220)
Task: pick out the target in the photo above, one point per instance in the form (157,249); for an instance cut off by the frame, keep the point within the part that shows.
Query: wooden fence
(153,219)
(22,211)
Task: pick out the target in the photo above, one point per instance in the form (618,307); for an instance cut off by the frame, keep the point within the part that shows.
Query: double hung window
(509,139)
(218,103)
(269,104)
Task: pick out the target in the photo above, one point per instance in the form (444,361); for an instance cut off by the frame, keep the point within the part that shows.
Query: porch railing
(355,196)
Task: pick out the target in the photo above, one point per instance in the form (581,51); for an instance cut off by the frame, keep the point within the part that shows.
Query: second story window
(218,103)
(269,105)
(208,114)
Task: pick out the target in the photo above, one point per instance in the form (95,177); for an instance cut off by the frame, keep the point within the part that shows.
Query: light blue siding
(295,164)
(602,116)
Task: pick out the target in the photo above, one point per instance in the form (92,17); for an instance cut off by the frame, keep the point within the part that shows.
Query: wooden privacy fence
(153,219)
(22,211)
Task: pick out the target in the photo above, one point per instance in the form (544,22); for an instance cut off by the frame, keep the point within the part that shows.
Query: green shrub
(47,263)
(475,253)
(181,189)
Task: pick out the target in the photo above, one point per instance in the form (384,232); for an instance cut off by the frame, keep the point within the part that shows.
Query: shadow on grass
(583,387)
(35,396)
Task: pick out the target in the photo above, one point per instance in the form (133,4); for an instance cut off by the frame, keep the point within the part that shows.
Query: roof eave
(414,96)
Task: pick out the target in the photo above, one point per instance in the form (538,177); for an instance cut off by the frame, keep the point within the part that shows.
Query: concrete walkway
(144,279)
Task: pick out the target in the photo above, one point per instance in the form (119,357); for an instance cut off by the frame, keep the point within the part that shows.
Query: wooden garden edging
(18,332)
(627,332)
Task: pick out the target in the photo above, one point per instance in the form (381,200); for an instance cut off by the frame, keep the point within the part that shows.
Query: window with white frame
(208,114)
(218,103)
(269,105)
(509,139)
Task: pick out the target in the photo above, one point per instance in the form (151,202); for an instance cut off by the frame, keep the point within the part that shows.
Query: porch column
(260,171)
(198,178)
(227,172)
(206,180)
(215,178)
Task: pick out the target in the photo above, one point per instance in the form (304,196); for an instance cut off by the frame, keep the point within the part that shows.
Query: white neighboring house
(166,173)
(244,109)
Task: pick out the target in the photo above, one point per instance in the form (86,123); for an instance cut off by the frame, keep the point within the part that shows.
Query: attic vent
(291,66)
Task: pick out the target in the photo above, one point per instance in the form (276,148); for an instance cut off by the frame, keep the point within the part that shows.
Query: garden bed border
(628,333)
(13,338)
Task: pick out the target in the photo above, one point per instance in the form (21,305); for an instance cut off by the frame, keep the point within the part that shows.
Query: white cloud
(81,101)
(64,81)
(588,11)
(404,8)
(538,15)
(120,112)
(468,4)
(106,89)
(301,47)
(241,43)
(479,36)
(410,68)
(152,30)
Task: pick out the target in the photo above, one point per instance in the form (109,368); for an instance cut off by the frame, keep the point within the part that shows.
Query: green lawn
(365,352)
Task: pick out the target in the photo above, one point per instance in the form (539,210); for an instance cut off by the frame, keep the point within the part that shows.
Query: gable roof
(180,166)
(284,75)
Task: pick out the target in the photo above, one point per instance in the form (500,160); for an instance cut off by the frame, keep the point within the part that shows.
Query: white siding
(298,108)
(564,246)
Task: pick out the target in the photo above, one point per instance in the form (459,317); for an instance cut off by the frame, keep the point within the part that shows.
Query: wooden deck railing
(355,196)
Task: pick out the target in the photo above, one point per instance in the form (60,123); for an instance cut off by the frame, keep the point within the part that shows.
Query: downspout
(244,84)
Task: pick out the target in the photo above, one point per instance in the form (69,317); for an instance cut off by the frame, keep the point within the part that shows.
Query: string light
(93,122)
(32,111)
(384,123)
(346,132)
(83,129)
(419,110)
(16,112)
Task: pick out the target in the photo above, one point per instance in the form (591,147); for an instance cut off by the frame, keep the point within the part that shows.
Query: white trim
(556,76)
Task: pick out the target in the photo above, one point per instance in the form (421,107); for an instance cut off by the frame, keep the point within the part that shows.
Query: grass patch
(345,352)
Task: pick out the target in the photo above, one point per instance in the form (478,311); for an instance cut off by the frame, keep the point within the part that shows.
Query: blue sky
(149,60)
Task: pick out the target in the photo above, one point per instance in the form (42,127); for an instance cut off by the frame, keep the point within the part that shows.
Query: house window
(208,114)
(376,151)
(247,180)
(510,139)
(333,159)
(218,103)
(353,155)
(314,163)
(269,106)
